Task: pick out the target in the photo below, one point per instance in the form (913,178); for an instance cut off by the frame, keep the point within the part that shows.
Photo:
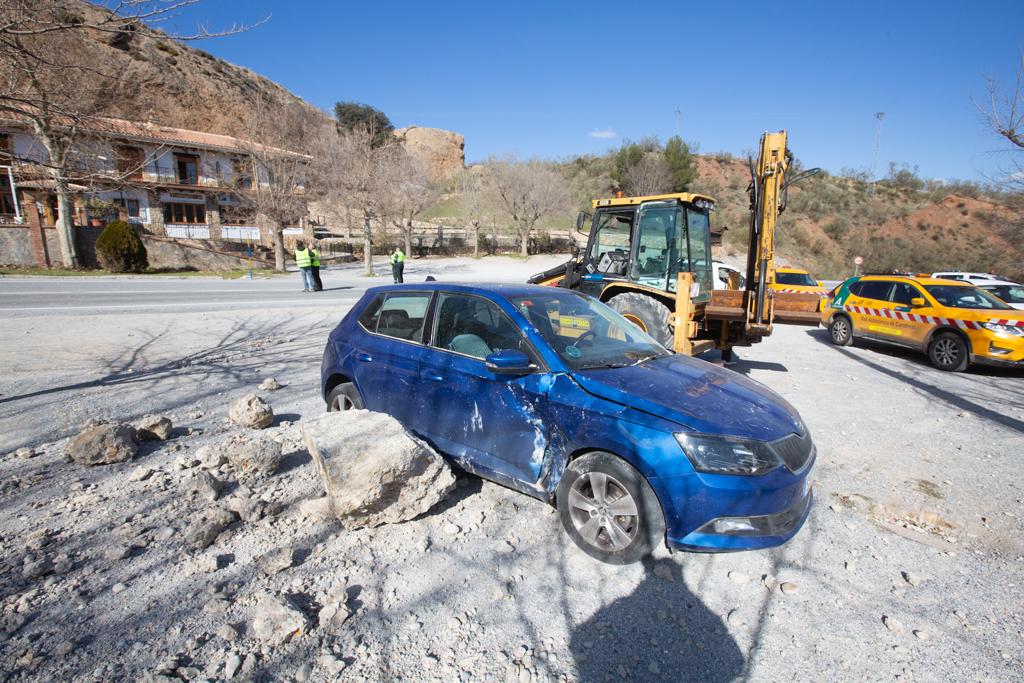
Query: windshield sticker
(573,352)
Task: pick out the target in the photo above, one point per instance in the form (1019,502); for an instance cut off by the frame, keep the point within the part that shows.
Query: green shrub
(120,250)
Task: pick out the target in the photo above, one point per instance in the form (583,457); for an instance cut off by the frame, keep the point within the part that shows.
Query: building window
(185,213)
(131,209)
(187,168)
(6,149)
(242,176)
(130,162)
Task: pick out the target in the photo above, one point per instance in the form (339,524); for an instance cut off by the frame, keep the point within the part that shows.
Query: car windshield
(585,333)
(965,297)
(1011,294)
(801,279)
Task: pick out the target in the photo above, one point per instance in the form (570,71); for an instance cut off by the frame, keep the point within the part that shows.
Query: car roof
(1000,283)
(920,280)
(503,289)
(790,269)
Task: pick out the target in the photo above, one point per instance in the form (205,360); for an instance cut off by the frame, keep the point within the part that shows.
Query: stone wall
(16,246)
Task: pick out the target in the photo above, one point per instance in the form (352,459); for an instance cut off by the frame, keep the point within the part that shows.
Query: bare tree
(650,175)
(478,200)
(354,172)
(49,82)
(279,148)
(527,191)
(1004,114)
(409,192)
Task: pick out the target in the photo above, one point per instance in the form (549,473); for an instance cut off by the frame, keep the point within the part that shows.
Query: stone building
(169,182)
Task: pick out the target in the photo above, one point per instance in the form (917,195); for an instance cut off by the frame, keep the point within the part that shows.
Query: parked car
(721,275)
(552,393)
(954,323)
(973,278)
(1010,292)
(797,280)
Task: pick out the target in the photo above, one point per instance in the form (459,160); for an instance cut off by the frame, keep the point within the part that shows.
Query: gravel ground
(910,565)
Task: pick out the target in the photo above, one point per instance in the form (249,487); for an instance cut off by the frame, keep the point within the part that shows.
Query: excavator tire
(647,313)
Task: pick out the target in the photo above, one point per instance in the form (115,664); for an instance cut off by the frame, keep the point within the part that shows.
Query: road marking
(157,306)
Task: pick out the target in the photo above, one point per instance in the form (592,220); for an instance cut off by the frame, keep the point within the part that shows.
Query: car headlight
(727,454)
(1004,329)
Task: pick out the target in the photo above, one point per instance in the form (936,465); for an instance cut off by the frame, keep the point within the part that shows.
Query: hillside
(174,84)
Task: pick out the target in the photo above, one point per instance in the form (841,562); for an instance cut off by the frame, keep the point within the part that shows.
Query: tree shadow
(675,635)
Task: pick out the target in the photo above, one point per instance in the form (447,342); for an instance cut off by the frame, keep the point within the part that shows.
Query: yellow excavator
(649,258)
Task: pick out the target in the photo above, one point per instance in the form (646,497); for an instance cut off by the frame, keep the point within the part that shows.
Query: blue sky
(549,79)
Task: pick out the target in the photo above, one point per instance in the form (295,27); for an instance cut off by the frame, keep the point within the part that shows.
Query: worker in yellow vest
(314,255)
(397,265)
(304,260)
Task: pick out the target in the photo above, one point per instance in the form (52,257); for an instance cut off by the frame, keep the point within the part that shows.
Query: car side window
(874,289)
(476,327)
(399,315)
(903,292)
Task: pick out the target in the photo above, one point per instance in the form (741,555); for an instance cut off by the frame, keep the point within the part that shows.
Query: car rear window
(956,296)
(397,315)
(795,279)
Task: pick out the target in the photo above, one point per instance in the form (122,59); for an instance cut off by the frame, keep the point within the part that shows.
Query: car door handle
(365,357)
(433,376)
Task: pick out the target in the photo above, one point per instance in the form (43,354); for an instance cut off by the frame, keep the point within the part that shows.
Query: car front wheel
(608,509)
(841,331)
(344,397)
(948,351)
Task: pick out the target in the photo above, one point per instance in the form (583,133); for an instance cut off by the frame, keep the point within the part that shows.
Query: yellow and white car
(796,281)
(954,323)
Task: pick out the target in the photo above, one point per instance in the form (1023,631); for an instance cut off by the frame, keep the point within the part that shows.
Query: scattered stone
(202,532)
(335,610)
(276,561)
(788,587)
(373,471)
(278,620)
(269,384)
(141,473)
(252,509)
(504,548)
(228,632)
(211,458)
(452,529)
(892,624)
(738,577)
(24,453)
(911,578)
(331,664)
(251,411)
(153,428)
(205,485)
(316,509)
(116,552)
(735,618)
(254,457)
(102,444)
(118,587)
(304,672)
(232,665)
(920,635)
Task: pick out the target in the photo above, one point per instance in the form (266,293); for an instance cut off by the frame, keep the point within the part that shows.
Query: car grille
(795,450)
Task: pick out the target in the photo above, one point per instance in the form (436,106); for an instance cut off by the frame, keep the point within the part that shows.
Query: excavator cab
(645,242)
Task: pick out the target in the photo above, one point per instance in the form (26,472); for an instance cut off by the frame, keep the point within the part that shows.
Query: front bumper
(716,513)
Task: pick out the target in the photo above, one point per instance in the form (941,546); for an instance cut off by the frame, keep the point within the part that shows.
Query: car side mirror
(821,283)
(917,302)
(509,362)
(581,220)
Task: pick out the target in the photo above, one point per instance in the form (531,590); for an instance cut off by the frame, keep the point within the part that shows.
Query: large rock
(251,411)
(207,526)
(374,472)
(253,457)
(102,444)
(442,151)
(277,620)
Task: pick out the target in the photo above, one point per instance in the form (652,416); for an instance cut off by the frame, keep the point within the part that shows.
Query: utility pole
(677,123)
(879,115)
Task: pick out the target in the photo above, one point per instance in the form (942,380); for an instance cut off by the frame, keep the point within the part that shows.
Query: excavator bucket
(797,308)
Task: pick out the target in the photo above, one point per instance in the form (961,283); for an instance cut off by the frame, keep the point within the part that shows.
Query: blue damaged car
(552,393)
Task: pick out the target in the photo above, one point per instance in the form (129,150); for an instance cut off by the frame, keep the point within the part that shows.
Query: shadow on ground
(635,637)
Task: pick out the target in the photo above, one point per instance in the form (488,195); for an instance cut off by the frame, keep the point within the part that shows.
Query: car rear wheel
(344,397)
(948,351)
(647,313)
(841,331)
(608,509)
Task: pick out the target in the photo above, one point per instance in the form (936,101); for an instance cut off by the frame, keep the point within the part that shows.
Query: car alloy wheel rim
(946,352)
(603,512)
(342,403)
(839,330)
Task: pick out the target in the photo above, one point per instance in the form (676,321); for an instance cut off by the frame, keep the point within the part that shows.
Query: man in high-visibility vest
(397,265)
(304,260)
(314,255)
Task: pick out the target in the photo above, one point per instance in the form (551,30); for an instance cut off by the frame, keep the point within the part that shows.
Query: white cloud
(603,134)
